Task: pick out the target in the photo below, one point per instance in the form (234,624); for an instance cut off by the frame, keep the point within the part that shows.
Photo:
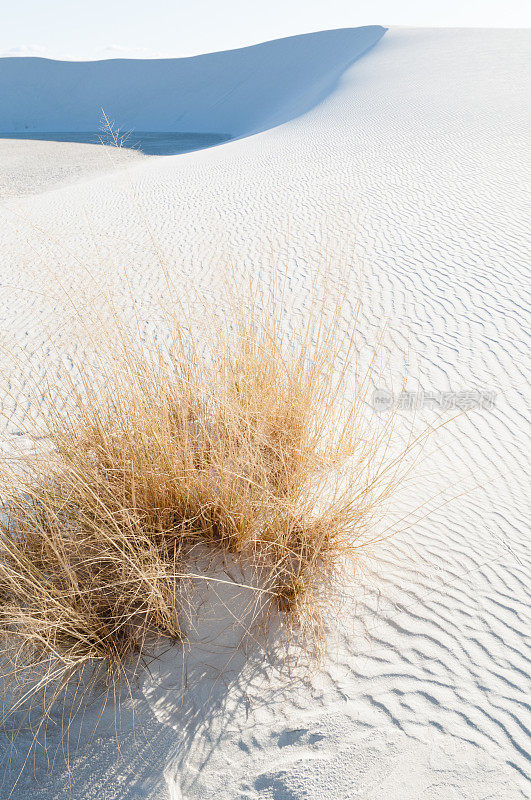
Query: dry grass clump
(246,442)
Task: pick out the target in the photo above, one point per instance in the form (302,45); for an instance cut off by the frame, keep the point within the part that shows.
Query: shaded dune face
(236,92)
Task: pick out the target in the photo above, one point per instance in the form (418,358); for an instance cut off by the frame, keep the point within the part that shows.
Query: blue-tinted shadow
(150,143)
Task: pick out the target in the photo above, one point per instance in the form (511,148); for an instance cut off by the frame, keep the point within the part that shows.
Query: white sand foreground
(419,150)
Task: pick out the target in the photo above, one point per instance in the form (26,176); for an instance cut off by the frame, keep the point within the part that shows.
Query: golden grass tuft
(243,441)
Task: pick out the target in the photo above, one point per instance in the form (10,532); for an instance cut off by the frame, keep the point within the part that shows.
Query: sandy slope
(420,149)
(31,167)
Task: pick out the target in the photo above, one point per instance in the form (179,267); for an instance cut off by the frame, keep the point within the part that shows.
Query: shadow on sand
(173,720)
(149,143)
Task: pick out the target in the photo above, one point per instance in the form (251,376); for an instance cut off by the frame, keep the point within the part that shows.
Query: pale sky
(87,29)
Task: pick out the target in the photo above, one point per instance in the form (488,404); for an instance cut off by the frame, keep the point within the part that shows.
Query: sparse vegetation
(247,442)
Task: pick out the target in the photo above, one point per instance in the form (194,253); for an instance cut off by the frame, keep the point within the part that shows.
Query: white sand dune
(236,92)
(419,149)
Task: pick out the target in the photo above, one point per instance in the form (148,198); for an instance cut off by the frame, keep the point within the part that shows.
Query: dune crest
(236,92)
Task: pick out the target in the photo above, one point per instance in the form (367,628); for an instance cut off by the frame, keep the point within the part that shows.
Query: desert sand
(407,160)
